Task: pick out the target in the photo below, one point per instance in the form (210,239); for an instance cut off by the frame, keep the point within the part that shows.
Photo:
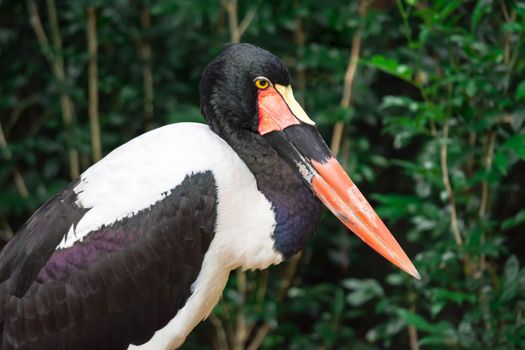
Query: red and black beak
(287,128)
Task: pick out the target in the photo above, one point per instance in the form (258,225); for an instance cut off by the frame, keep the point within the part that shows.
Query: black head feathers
(228,96)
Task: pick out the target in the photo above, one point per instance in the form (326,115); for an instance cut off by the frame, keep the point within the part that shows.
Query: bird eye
(261,83)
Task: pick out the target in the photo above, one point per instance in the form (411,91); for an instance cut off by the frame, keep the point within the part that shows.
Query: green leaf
(434,340)
(446,8)
(390,66)
(501,161)
(420,323)
(512,268)
(395,279)
(471,88)
(363,290)
(513,27)
(517,144)
(514,221)
(454,296)
(510,285)
(394,206)
(482,8)
(437,307)
(520,91)
(338,302)
(400,101)
(392,327)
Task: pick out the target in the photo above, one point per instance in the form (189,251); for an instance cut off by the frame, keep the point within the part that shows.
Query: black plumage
(24,255)
(96,295)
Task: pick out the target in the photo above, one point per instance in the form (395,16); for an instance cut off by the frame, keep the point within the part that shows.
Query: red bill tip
(335,189)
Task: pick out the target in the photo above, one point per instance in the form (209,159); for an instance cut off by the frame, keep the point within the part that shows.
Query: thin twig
(286,283)
(245,23)
(505,10)
(34,19)
(349,78)
(485,195)
(448,188)
(222,340)
(289,273)
(517,45)
(351,69)
(259,336)
(454,225)
(487,163)
(55,31)
(263,286)
(236,29)
(337,136)
(94,122)
(241,329)
(231,9)
(65,101)
(260,296)
(57,66)
(412,334)
(507,38)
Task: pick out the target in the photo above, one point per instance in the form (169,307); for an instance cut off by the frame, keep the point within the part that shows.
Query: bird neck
(297,211)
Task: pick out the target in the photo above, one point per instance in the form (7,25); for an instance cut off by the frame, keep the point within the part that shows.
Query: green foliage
(434,137)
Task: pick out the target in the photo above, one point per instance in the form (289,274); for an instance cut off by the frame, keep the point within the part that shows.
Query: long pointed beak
(296,139)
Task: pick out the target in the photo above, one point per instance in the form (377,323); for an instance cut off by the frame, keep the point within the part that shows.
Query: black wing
(115,287)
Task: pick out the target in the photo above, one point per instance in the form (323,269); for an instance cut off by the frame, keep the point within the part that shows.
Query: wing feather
(117,285)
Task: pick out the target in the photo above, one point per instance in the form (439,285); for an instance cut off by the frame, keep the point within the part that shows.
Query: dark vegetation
(423,101)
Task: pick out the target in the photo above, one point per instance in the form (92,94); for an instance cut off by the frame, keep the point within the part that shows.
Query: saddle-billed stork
(137,251)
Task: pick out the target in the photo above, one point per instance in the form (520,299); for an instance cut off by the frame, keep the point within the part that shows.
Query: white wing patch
(143,171)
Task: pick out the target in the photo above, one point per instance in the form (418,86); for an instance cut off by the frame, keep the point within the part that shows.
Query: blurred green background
(423,101)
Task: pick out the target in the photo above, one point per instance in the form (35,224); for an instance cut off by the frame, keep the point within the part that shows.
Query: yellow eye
(262,83)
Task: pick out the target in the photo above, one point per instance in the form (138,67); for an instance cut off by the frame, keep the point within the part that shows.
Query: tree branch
(245,23)
(57,66)
(412,334)
(349,77)
(448,188)
(241,329)
(487,163)
(222,340)
(262,332)
(236,29)
(454,225)
(231,9)
(286,283)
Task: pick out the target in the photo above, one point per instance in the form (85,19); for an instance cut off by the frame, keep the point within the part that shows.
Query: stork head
(248,88)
